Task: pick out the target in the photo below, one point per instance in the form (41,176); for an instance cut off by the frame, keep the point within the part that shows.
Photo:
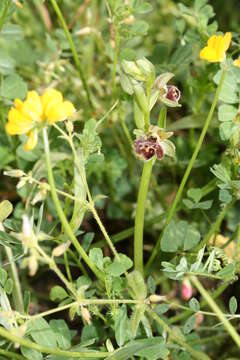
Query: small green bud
(131,68)
(146,67)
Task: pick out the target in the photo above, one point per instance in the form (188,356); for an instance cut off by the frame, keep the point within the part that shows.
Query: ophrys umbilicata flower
(29,116)
(153,144)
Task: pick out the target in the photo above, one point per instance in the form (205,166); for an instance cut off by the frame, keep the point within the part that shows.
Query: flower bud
(60,250)
(156,298)
(14,173)
(146,67)
(28,237)
(32,265)
(131,68)
(86,315)
(186,290)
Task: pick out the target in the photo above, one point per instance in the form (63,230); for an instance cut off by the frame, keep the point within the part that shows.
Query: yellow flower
(216,48)
(29,116)
(237,62)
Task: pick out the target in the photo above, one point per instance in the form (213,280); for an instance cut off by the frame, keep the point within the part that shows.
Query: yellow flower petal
(18,123)
(32,140)
(227,40)
(60,112)
(212,41)
(18,104)
(50,97)
(237,62)
(209,54)
(33,99)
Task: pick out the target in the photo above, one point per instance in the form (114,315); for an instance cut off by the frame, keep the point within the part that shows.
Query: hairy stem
(60,212)
(17,291)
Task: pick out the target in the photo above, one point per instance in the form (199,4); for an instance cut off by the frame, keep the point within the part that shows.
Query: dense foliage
(120,179)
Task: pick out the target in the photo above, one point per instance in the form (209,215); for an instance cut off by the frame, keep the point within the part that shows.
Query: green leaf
(189,324)
(7,64)
(31,354)
(126,83)
(96,256)
(178,236)
(89,139)
(226,130)
(195,194)
(143,8)
(118,268)
(137,285)
(233,305)
(8,287)
(138,346)
(11,32)
(62,333)
(226,112)
(58,293)
(136,317)
(6,209)
(194,304)
(227,273)
(3,277)
(139,28)
(13,87)
(42,334)
(182,56)
(121,326)
(6,239)
(225,196)
(170,240)
(228,92)
(79,192)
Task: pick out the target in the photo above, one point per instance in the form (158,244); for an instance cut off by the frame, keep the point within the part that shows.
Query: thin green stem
(139,218)
(115,58)
(53,266)
(60,212)
(228,326)
(73,49)
(11,355)
(197,355)
(4,13)
(188,170)
(46,350)
(238,244)
(17,291)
